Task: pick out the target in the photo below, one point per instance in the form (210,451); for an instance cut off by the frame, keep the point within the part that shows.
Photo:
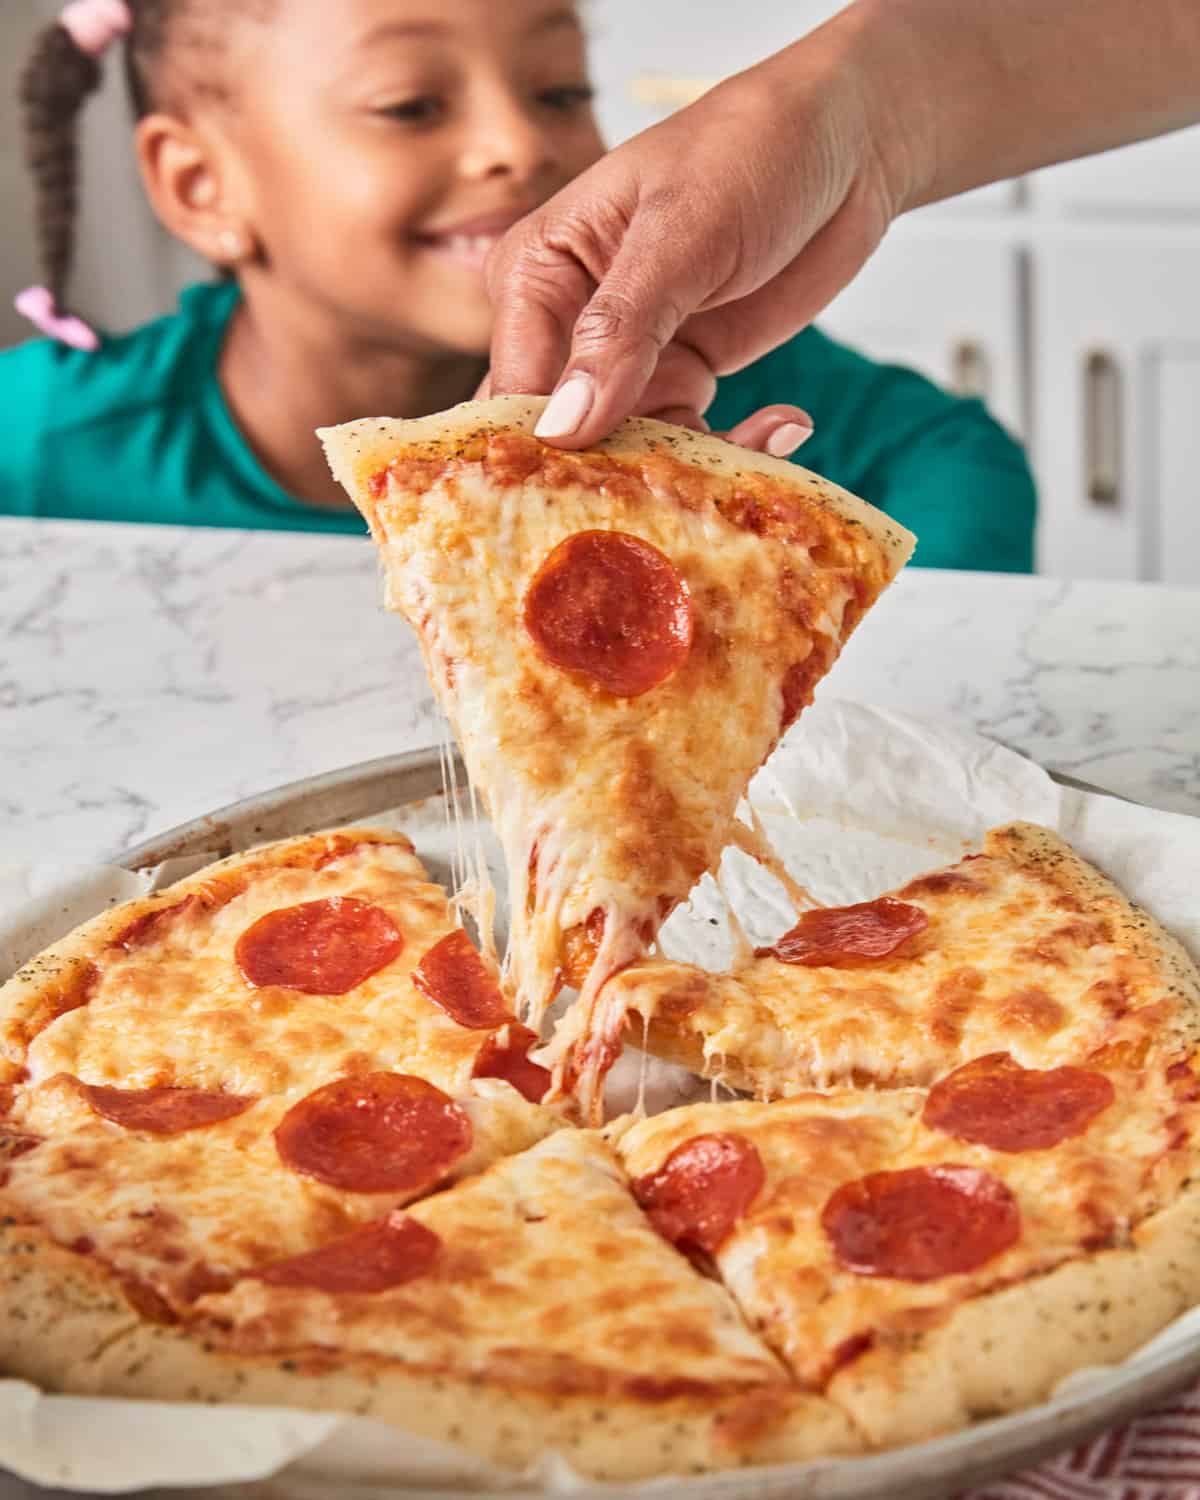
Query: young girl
(348,167)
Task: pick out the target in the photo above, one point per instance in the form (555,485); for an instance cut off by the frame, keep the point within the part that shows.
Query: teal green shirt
(140,431)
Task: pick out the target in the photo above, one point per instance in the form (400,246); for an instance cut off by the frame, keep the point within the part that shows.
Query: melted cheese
(608,806)
(175,1011)
(545,1274)
(1009,962)
(781,1268)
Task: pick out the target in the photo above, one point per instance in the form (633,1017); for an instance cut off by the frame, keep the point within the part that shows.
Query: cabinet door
(1117,403)
(947,301)
(651,56)
(1159,177)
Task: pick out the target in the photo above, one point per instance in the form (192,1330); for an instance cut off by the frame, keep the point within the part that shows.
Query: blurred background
(1069,301)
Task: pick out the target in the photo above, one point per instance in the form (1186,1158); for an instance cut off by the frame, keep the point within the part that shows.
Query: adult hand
(702,243)
(694,248)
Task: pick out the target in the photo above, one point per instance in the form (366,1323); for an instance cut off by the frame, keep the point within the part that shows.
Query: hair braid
(56,82)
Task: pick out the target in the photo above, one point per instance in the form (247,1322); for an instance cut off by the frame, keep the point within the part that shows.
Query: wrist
(878,50)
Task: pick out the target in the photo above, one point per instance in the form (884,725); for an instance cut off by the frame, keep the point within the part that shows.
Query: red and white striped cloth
(1156,1457)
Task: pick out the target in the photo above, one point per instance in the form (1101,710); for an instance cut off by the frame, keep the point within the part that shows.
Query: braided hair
(58,79)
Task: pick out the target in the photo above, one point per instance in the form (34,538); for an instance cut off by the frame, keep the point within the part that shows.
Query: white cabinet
(651,56)
(1117,387)
(1158,179)
(945,298)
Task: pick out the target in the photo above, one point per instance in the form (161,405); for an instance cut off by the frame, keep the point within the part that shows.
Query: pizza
(925,1257)
(198,1081)
(273,1136)
(1021,948)
(619,637)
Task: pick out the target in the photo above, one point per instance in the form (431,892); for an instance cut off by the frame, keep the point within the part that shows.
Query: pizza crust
(359,449)
(65,1325)
(1009,1349)
(1049,857)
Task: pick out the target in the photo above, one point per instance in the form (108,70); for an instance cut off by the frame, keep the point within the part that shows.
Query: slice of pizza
(619,637)
(1023,949)
(270,972)
(531,1309)
(925,1257)
(302,1028)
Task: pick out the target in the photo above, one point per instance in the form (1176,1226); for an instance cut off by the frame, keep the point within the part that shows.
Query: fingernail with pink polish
(786,439)
(567,408)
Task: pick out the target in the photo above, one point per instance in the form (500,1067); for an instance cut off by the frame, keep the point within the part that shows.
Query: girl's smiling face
(381,147)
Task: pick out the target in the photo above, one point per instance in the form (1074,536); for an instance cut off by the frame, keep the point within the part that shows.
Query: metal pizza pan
(924,1471)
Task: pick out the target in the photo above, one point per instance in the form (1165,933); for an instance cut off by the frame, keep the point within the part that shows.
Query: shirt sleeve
(25,378)
(939,464)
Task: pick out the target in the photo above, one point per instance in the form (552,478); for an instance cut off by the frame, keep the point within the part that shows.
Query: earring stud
(232,244)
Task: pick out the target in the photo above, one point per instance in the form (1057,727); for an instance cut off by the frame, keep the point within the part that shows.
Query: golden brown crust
(357,450)
(1049,857)
(65,1325)
(1010,1348)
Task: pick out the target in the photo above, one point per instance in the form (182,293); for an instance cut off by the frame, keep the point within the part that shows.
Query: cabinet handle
(1102,428)
(971,370)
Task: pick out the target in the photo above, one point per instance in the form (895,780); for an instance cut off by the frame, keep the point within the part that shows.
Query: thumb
(652,286)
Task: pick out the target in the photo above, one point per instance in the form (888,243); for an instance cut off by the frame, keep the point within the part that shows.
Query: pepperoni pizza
(273,1136)
(619,638)
(1022,948)
(927,1256)
(240,1065)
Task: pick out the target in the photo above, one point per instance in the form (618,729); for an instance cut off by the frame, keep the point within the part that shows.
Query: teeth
(471,244)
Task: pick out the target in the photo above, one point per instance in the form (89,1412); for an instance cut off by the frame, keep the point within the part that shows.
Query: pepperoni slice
(702,1190)
(372,1258)
(454,976)
(319,947)
(844,935)
(376,1133)
(995,1102)
(613,608)
(921,1223)
(163,1111)
(509,1059)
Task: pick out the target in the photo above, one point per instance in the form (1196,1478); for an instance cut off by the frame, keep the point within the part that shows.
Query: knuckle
(609,317)
(614,316)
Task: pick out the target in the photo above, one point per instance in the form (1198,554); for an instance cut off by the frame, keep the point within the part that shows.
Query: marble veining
(149,674)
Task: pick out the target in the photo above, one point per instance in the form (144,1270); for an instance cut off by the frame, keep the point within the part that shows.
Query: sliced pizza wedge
(1023,949)
(269,973)
(870,1237)
(532,1309)
(619,638)
(302,1028)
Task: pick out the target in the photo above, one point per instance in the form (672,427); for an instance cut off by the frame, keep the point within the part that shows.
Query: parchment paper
(856,800)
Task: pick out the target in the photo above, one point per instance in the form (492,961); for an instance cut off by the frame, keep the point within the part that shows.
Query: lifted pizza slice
(619,637)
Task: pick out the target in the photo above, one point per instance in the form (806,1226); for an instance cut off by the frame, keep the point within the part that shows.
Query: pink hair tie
(37,304)
(94,25)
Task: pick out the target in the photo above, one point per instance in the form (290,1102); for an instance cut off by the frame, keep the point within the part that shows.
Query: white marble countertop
(150,674)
